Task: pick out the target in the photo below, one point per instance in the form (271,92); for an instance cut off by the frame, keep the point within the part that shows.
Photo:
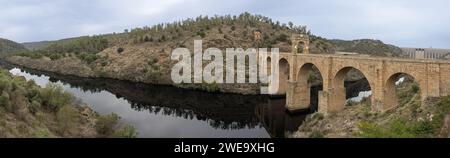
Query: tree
(120,50)
(146,39)
(291,25)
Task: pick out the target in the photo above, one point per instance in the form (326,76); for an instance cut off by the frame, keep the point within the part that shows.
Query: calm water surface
(164,111)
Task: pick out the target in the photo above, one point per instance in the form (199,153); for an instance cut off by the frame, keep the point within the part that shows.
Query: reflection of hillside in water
(221,111)
(224,111)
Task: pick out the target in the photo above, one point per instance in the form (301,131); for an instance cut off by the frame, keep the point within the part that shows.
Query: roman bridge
(433,77)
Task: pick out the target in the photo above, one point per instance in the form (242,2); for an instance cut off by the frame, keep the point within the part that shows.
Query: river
(169,112)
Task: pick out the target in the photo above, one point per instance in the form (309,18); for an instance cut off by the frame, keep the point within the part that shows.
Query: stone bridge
(433,77)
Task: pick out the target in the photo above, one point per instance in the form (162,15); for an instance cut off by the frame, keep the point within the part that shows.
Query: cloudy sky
(409,23)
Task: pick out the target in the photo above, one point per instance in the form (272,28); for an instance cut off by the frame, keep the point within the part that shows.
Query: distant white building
(426,53)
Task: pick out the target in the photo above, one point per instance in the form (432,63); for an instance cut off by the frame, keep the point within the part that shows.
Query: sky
(405,23)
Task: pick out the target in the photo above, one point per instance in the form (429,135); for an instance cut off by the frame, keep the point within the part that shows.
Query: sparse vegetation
(33,111)
(8,47)
(410,119)
(86,55)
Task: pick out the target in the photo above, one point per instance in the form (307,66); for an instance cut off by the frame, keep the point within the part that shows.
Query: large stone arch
(419,72)
(338,91)
(303,86)
(390,99)
(283,76)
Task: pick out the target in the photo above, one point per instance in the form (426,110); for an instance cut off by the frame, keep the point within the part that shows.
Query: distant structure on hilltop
(426,53)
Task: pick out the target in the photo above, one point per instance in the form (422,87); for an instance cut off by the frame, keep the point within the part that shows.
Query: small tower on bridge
(300,43)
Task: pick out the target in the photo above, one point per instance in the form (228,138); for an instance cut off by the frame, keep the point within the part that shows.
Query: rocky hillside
(37,45)
(10,47)
(143,54)
(412,118)
(367,46)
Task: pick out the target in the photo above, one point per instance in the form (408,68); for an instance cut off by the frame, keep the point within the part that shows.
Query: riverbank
(135,73)
(28,110)
(410,119)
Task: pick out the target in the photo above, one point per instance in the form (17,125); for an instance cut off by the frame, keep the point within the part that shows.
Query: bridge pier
(433,78)
(298,96)
(337,99)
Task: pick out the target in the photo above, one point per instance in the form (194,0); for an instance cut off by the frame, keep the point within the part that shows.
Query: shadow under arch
(403,83)
(340,92)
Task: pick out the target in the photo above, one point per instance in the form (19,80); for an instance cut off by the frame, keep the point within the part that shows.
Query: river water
(164,111)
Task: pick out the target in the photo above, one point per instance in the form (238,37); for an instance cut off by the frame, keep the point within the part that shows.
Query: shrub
(35,106)
(212,87)
(106,124)
(54,97)
(397,128)
(316,134)
(55,56)
(67,119)
(369,130)
(283,37)
(90,58)
(4,99)
(126,132)
(233,28)
(44,133)
(146,39)
(201,34)
(318,116)
(153,61)
(120,50)
(415,88)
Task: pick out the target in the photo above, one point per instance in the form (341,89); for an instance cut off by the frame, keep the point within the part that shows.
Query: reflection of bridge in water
(276,120)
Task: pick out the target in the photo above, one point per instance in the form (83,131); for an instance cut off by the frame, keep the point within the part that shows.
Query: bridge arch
(339,92)
(269,65)
(283,76)
(394,83)
(309,75)
(300,44)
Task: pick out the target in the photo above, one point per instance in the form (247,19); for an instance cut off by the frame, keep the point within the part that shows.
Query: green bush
(4,99)
(120,50)
(397,128)
(283,37)
(233,28)
(201,34)
(35,106)
(316,134)
(126,132)
(90,58)
(5,84)
(415,88)
(106,124)
(67,119)
(55,56)
(54,97)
